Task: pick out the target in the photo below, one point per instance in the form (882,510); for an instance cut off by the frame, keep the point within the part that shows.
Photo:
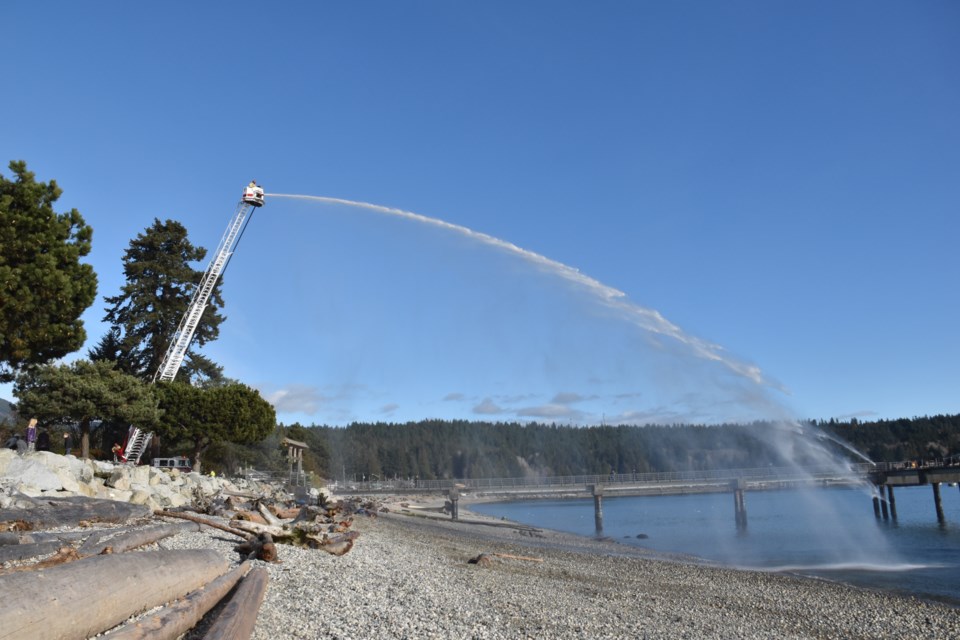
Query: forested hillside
(460,449)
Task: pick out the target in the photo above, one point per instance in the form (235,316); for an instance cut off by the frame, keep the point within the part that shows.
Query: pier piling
(454,503)
(892,501)
(883,507)
(938,503)
(597,491)
(876,506)
(739,504)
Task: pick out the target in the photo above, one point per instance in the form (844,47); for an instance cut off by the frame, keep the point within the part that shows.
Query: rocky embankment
(45,474)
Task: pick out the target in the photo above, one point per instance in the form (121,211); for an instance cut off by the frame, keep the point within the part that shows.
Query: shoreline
(409,576)
(835,575)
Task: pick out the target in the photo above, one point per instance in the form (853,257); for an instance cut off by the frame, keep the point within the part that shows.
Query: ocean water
(828,533)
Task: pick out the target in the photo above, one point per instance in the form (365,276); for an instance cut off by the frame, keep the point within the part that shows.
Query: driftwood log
(140,537)
(15,552)
(205,522)
(108,589)
(237,619)
(174,620)
(70,512)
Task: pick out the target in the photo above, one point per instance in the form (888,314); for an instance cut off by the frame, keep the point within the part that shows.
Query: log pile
(263,524)
(59,583)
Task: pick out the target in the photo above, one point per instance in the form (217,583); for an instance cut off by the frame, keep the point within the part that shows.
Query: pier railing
(754,475)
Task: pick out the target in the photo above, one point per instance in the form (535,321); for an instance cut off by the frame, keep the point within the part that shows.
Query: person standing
(43,440)
(32,434)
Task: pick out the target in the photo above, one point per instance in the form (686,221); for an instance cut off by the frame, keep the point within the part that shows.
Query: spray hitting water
(790,439)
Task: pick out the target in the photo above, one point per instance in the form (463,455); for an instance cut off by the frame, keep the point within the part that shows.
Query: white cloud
(550,410)
(451,397)
(487,407)
(295,399)
(389,408)
(567,397)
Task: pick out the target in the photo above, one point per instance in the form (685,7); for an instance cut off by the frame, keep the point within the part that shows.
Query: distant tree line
(929,437)
(433,449)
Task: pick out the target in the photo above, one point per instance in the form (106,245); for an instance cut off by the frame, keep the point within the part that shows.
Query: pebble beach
(409,576)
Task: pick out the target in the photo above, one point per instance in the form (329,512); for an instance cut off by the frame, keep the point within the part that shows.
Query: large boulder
(32,474)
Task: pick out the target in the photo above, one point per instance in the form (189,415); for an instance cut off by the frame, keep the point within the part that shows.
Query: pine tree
(82,392)
(43,285)
(160,285)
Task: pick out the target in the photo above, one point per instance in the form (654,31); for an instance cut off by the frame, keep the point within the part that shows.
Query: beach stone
(32,473)
(119,479)
(120,495)
(6,457)
(68,480)
(140,496)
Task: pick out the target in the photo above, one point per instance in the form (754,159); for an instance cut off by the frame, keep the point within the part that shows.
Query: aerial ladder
(253,198)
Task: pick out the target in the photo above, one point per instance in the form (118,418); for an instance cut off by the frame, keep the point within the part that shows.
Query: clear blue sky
(777,179)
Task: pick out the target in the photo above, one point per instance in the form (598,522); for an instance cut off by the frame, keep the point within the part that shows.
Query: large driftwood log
(16,552)
(138,537)
(83,598)
(256,528)
(260,548)
(62,556)
(203,521)
(238,618)
(69,512)
(173,621)
(269,517)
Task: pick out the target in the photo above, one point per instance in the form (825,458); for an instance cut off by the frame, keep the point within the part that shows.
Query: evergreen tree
(203,416)
(43,285)
(148,310)
(82,392)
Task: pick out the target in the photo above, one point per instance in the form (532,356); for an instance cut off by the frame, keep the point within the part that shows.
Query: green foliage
(44,288)
(146,313)
(927,437)
(203,416)
(81,392)
(458,449)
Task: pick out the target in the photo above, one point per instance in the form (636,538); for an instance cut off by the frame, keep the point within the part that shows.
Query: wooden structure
(295,450)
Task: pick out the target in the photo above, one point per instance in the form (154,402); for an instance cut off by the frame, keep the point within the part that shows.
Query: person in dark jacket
(43,441)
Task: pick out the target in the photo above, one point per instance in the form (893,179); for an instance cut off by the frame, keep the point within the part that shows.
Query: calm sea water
(828,533)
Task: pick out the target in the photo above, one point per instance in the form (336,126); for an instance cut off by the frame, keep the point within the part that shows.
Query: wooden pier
(912,474)
(736,481)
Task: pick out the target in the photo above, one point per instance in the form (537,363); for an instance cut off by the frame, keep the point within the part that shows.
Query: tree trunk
(198,450)
(85,439)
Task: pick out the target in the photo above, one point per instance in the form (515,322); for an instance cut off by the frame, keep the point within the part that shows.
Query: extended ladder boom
(253,197)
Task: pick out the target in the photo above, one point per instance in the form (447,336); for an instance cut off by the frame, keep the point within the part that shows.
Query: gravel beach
(408,576)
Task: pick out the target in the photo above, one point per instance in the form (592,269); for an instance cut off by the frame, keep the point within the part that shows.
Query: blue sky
(775,184)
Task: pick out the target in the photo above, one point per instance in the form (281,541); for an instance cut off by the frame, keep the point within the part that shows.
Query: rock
(119,479)
(6,457)
(68,480)
(33,473)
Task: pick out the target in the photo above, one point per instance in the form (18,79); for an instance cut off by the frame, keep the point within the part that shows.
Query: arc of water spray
(647,319)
